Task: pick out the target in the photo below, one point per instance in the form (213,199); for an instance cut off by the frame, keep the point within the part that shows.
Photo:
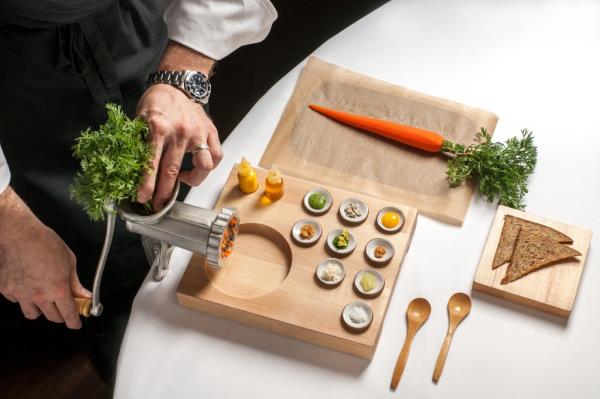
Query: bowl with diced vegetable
(341,241)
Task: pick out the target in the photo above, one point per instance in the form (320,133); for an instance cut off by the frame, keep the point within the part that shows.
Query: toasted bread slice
(534,251)
(508,237)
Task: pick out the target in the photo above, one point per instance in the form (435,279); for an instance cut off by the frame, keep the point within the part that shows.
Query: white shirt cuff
(4,172)
(216,28)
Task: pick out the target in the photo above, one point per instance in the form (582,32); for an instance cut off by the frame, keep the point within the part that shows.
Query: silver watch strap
(169,77)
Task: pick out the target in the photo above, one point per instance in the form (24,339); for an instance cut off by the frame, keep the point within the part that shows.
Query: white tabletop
(535,64)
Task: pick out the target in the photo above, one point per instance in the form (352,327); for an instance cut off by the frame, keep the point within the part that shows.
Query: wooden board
(551,289)
(269,281)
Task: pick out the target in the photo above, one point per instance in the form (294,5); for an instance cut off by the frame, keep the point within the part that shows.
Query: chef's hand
(37,269)
(177,125)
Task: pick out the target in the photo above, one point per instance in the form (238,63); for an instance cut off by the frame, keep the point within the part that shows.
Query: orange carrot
(412,136)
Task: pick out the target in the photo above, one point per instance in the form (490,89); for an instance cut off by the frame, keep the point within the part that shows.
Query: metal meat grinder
(203,231)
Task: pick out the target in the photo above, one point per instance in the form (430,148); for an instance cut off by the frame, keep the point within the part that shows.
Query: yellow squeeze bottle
(274,184)
(247,177)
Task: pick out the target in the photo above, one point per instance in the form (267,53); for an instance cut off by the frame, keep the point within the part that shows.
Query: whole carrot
(501,169)
(409,135)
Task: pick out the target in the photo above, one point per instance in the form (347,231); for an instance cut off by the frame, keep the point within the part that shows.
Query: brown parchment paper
(308,145)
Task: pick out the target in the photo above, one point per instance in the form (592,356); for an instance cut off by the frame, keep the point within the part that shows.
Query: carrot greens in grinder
(114,159)
(501,169)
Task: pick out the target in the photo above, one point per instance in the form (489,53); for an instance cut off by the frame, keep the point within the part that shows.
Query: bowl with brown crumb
(379,250)
(306,232)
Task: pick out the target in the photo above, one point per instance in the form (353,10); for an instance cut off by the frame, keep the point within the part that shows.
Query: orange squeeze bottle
(247,177)
(274,184)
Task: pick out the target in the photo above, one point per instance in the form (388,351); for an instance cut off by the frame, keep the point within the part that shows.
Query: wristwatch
(193,83)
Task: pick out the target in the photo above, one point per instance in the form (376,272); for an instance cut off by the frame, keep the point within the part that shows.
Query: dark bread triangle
(508,237)
(534,251)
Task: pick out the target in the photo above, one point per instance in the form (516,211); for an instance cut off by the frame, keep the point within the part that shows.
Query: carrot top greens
(114,159)
(501,169)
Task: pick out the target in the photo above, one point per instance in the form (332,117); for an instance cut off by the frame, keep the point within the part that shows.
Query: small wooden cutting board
(551,289)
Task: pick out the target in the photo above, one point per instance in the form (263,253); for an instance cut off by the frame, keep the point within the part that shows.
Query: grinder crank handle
(92,306)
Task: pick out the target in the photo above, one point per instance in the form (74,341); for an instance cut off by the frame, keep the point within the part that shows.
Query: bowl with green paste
(318,201)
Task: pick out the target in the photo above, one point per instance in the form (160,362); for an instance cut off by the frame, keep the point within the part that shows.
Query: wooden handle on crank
(84,305)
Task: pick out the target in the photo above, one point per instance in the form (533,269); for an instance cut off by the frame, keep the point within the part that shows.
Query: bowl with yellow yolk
(390,219)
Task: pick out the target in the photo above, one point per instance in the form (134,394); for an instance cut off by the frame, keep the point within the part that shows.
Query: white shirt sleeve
(4,172)
(216,28)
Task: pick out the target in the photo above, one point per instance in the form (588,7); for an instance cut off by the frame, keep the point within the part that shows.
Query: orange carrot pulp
(412,136)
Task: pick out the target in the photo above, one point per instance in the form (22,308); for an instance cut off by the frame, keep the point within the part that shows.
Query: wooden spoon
(459,306)
(417,314)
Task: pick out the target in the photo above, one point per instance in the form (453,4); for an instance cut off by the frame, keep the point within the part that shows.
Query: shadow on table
(261,340)
(559,321)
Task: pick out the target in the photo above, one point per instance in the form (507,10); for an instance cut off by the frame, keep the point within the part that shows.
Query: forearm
(15,216)
(178,57)
(10,203)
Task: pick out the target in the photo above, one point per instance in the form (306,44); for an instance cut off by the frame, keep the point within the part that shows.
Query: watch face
(197,86)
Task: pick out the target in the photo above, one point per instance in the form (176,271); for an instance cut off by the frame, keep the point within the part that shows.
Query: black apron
(60,62)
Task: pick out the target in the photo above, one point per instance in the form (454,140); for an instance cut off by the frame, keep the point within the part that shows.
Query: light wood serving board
(269,281)
(551,289)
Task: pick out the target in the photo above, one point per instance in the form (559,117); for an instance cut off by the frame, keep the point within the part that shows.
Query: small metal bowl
(327,206)
(364,209)
(321,268)
(379,242)
(385,210)
(345,251)
(306,242)
(375,291)
(348,320)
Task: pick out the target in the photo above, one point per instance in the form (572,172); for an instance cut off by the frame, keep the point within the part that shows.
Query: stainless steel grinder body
(202,231)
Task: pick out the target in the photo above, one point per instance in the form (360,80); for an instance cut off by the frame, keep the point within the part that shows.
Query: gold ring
(200,148)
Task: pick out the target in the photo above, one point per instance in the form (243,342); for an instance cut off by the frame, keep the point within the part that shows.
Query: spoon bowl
(459,305)
(418,310)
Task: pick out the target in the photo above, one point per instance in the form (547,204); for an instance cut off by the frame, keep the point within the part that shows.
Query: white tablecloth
(535,64)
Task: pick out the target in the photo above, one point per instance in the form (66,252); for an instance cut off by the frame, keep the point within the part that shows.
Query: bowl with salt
(357,315)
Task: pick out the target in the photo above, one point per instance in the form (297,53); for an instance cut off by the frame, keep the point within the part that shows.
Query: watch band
(174,78)
(194,84)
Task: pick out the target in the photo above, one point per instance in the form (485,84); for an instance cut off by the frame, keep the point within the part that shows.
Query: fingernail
(87,292)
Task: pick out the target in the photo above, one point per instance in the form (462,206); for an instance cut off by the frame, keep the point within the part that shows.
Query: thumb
(76,288)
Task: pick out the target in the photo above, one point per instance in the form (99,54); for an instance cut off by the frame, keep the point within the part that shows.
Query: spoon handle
(402,358)
(441,360)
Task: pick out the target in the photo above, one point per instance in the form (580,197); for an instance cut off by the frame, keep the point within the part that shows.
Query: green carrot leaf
(114,160)
(502,169)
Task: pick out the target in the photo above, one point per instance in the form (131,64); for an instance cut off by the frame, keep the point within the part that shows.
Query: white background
(533,63)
